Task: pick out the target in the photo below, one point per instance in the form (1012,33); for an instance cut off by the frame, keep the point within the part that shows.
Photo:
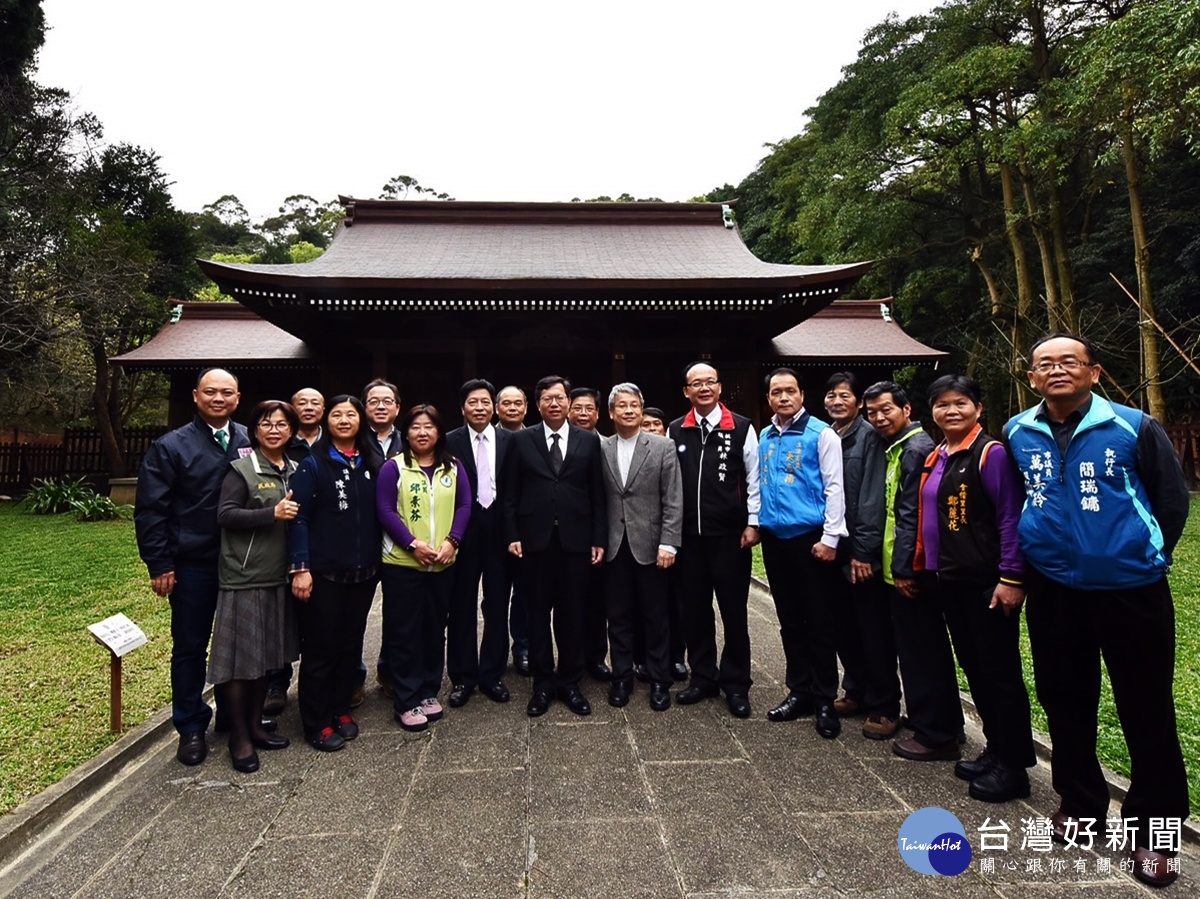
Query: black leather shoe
(599,671)
(618,693)
(642,673)
(679,671)
(459,694)
(828,723)
(660,697)
(247,764)
(695,693)
(792,707)
(521,665)
(1000,784)
(575,701)
(271,741)
(539,704)
(276,699)
(192,748)
(496,692)
(982,764)
(739,705)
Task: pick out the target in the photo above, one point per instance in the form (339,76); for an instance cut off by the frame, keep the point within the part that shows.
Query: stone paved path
(487,803)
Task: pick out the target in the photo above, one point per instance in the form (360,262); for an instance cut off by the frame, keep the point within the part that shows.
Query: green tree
(123,257)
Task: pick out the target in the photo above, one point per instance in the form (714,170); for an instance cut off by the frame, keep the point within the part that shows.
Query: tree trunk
(114,450)
(1066,280)
(1024,284)
(1049,275)
(1141,259)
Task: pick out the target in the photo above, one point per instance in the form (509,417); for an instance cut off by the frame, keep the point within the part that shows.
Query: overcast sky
(499,100)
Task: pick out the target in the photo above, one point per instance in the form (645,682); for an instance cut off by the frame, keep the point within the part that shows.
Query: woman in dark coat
(333,557)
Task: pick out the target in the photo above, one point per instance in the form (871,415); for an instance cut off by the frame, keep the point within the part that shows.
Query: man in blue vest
(801,520)
(1105,505)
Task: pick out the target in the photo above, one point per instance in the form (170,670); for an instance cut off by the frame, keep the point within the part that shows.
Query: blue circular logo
(933,841)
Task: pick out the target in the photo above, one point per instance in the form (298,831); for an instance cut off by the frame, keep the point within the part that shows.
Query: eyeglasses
(1067,365)
(375,401)
(698,385)
(265,425)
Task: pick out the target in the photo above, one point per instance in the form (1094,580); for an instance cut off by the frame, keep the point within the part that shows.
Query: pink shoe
(413,719)
(432,708)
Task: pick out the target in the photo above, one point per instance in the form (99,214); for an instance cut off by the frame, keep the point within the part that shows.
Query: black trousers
(674,616)
(637,601)
(332,624)
(483,556)
(866,644)
(927,667)
(414,627)
(988,646)
(1134,631)
(595,615)
(558,584)
(805,594)
(709,565)
(518,610)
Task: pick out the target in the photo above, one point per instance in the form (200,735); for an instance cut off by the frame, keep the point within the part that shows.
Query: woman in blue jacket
(333,557)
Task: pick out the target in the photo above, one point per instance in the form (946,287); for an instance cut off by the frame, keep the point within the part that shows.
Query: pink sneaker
(413,719)
(432,708)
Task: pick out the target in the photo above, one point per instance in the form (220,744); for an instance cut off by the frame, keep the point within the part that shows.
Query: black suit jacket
(461,442)
(535,498)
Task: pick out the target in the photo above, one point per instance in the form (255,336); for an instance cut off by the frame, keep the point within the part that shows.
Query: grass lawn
(59,576)
(1185,586)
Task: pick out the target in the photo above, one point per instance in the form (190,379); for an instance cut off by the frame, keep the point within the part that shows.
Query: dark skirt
(254,631)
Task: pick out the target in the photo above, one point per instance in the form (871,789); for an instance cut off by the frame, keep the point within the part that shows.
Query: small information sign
(119,634)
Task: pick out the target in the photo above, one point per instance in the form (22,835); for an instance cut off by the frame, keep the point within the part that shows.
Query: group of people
(881,548)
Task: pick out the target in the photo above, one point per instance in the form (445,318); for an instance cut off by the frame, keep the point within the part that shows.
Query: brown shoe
(1156,869)
(846,707)
(919,752)
(356,698)
(880,727)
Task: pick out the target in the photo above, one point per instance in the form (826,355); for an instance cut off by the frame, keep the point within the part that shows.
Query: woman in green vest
(253,631)
(424,504)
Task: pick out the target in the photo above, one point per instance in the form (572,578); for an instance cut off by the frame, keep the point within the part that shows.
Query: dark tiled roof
(397,250)
(853,330)
(218,334)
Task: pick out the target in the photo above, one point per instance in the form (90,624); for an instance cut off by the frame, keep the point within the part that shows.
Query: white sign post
(119,635)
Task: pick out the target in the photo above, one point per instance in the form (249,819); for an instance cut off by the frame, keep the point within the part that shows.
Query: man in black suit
(554,521)
(481,447)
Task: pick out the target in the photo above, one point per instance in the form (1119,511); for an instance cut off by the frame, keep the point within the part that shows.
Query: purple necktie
(484,469)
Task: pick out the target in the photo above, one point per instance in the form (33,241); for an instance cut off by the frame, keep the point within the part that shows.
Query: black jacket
(336,528)
(535,498)
(862,475)
(178,488)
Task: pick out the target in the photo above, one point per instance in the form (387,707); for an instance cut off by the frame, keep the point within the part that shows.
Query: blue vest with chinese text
(792,490)
(1087,522)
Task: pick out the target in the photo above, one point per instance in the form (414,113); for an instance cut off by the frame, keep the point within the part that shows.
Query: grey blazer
(648,509)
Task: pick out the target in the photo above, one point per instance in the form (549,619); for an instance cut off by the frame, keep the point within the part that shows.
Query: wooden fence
(1186,440)
(80,454)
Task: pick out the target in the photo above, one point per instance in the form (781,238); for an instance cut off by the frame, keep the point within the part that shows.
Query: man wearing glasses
(555,523)
(718,459)
(382,400)
(1105,505)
